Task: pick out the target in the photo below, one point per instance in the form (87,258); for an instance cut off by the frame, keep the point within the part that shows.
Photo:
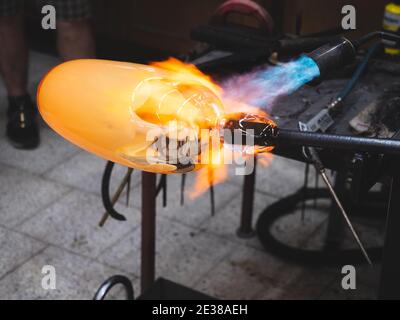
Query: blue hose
(374,49)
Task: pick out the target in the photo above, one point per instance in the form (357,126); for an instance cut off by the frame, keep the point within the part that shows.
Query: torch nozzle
(333,55)
(341,52)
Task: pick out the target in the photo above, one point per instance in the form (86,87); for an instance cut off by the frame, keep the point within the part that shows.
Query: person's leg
(22,130)
(74,32)
(13,54)
(75,40)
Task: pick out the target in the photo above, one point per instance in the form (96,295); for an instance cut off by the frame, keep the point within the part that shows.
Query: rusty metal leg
(147,272)
(390,273)
(246,219)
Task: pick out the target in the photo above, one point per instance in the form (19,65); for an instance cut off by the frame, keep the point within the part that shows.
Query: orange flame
(188,73)
(215,171)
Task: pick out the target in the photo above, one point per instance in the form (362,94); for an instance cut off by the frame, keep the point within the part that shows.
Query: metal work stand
(147,276)
(150,287)
(148,211)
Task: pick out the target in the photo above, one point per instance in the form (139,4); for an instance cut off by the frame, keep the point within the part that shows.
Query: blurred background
(126,29)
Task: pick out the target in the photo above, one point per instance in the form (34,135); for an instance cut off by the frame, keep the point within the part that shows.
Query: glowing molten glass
(111,108)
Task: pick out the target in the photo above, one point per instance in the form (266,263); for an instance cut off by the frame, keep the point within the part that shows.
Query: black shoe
(22,128)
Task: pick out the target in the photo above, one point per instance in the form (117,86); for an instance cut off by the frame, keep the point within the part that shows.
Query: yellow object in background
(109,108)
(391,22)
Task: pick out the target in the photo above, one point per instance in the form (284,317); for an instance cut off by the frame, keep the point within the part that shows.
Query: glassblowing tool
(268,134)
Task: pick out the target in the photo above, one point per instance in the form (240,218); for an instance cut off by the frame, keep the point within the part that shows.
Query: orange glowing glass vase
(118,110)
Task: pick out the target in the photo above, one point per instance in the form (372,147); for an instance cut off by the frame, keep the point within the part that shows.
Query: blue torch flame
(261,88)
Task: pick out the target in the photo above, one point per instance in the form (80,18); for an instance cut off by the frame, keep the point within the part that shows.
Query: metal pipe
(269,135)
(335,141)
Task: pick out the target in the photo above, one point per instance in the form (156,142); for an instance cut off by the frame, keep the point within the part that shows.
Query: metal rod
(211,190)
(316,186)
(319,166)
(245,229)
(183,183)
(345,216)
(128,190)
(125,181)
(335,231)
(165,191)
(305,185)
(147,272)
